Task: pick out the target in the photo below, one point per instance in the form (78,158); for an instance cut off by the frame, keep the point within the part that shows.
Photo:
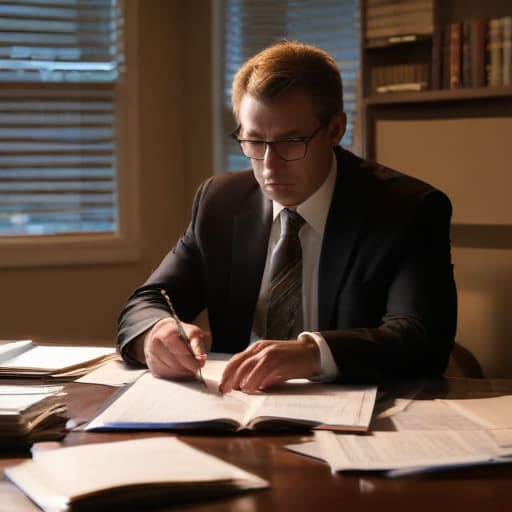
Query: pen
(183,334)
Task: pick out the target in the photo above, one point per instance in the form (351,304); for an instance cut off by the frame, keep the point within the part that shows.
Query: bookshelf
(427,59)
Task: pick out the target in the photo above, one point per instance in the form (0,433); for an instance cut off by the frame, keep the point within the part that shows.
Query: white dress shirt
(314,211)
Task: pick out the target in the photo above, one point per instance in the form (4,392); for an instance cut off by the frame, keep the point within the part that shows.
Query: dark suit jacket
(387,298)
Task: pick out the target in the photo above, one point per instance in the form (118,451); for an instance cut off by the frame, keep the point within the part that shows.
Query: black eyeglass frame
(305,140)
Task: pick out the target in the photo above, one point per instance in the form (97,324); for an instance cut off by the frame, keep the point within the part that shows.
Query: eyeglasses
(294,148)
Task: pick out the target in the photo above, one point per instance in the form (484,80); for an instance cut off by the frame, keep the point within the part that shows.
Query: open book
(26,359)
(153,403)
(31,413)
(135,473)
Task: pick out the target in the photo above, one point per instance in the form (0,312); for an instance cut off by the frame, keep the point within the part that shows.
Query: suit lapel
(342,232)
(251,230)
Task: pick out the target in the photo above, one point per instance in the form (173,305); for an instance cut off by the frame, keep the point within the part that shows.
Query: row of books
(398,78)
(473,53)
(386,19)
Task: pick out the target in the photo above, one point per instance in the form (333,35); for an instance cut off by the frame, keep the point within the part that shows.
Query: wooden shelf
(442,95)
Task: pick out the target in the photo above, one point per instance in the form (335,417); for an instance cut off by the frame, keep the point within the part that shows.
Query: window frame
(87,248)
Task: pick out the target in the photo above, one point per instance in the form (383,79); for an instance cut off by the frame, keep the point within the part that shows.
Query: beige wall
(471,160)
(81,303)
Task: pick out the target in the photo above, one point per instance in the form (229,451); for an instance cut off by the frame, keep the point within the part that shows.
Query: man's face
(289,183)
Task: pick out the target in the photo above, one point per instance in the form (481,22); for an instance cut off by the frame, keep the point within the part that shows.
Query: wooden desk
(302,484)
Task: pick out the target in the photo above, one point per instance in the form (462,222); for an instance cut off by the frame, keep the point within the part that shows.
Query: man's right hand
(166,354)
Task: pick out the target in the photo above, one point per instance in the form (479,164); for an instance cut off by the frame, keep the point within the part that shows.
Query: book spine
(478,51)
(446,47)
(455,55)
(507,50)
(495,50)
(437,58)
(466,53)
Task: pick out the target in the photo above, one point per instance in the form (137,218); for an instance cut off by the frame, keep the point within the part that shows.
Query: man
(372,266)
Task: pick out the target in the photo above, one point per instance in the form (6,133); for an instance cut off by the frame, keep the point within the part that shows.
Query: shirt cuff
(328,369)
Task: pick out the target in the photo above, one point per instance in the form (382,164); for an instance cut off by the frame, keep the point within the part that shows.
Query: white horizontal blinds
(250,26)
(334,26)
(59,61)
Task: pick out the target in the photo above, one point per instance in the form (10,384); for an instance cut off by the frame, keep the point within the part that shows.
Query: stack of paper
(138,473)
(25,359)
(31,413)
(427,435)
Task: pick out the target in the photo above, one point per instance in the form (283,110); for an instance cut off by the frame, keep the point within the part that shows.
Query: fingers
(249,370)
(268,363)
(168,356)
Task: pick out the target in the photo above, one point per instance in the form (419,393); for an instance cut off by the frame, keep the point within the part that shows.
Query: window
(62,82)
(243,27)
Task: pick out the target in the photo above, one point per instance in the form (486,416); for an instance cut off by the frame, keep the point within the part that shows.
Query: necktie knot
(291,222)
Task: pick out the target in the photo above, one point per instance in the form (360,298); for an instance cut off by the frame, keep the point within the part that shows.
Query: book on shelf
(31,413)
(395,78)
(478,51)
(495,51)
(396,18)
(455,52)
(507,50)
(154,403)
(136,474)
(499,68)
(401,87)
(24,359)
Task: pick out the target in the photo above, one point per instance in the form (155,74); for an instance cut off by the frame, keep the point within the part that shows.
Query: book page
(391,450)
(494,412)
(151,402)
(319,404)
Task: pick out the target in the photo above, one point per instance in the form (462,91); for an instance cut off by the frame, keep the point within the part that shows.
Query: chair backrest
(463,364)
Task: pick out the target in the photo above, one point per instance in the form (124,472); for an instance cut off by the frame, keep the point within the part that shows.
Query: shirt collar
(315,208)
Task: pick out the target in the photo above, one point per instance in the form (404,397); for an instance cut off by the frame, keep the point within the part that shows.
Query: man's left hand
(270,362)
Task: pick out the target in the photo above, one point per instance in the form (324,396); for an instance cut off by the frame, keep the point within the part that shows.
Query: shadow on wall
(484,283)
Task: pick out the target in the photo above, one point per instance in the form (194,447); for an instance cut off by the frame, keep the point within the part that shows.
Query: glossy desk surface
(302,484)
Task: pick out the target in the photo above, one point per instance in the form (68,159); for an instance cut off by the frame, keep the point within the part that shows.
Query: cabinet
(430,59)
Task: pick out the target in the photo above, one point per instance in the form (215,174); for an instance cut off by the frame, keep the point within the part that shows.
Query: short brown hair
(289,65)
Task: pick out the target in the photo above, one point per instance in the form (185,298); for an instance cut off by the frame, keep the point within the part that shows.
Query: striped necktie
(284,316)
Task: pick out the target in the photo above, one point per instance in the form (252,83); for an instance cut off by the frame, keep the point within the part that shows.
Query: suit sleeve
(415,334)
(180,274)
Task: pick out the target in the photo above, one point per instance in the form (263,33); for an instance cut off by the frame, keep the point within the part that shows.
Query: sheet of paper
(29,390)
(502,436)
(391,450)
(55,477)
(308,448)
(425,415)
(115,373)
(494,412)
(57,356)
(13,348)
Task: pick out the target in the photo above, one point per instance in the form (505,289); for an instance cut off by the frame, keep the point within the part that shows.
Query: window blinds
(59,62)
(250,25)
